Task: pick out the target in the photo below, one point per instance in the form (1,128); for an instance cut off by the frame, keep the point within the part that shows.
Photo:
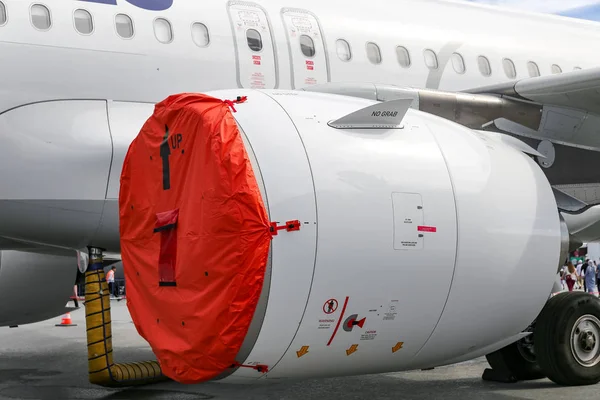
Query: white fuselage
(61,63)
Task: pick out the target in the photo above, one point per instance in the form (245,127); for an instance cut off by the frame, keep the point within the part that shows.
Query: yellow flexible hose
(102,370)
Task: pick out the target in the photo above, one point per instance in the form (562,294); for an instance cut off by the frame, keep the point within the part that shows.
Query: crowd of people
(581,274)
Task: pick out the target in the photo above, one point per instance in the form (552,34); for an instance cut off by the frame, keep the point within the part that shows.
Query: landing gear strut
(564,346)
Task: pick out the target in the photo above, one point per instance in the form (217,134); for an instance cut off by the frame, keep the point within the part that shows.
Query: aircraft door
(308,52)
(254,46)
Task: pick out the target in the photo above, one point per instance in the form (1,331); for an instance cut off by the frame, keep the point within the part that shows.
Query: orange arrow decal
(352,349)
(397,347)
(303,350)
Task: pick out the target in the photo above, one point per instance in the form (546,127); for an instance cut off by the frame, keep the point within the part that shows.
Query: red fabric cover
(222,236)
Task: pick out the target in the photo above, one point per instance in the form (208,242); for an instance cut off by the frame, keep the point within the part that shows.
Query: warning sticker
(330,306)
(391,312)
(326,323)
(368,335)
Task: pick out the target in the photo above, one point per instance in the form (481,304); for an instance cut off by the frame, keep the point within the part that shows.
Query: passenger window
(430,59)
(124,26)
(40,17)
(533,69)
(403,56)
(307,46)
(3,16)
(200,34)
(556,69)
(458,62)
(163,30)
(484,66)
(509,68)
(343,50)
(83,22)
(254,40)
(373,53)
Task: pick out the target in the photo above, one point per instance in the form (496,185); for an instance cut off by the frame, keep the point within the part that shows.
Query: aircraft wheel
(518,359)
(567,339)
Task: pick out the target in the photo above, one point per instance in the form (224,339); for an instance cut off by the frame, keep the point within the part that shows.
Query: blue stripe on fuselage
(151,5)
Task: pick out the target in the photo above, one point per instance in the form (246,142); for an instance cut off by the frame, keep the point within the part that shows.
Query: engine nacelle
(419,246)
(34,286)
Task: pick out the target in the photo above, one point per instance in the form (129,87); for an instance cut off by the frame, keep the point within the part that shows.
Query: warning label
(391,312)
(326,323)
(330,306)
(257,81)
(368,335)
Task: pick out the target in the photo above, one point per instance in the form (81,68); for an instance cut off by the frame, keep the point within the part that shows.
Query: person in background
(590,279)
(578,271)
(571,276)
(582,273)
(79,279)
(110,278)
(597,273)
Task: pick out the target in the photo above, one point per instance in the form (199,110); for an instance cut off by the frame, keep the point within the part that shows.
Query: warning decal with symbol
(330,306)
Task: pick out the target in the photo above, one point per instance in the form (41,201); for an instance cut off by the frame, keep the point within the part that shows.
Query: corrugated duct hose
(102,370)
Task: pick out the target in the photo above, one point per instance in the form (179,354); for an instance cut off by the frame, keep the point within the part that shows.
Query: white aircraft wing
(578,89)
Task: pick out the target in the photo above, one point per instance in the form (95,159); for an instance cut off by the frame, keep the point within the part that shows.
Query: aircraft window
(373,53)
(254,40)
(556,69)
(430,59)
(576,68)
(124,26)
(163,30)
(484,66)
(533,69)
(83,21)
(3,17)
(40,17)
(403,56)
(307,46)
(509,68)
(343,50)
(200,34)
(458,62)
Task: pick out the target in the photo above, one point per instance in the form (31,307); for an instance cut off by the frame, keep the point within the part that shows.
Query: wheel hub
(584,341)
(526,348)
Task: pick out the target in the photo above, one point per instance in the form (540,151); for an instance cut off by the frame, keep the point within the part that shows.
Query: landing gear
(515,362)
(564,345)
(567,339)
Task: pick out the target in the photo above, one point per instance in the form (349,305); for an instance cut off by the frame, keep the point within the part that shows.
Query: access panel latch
(289,226)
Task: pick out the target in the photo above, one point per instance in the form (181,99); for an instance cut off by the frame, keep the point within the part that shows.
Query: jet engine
(283,234)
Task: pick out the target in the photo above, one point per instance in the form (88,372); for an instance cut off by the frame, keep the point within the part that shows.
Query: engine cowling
(34,286)
(417,247)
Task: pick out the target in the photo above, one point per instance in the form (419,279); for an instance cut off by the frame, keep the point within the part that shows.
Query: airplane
(80,78)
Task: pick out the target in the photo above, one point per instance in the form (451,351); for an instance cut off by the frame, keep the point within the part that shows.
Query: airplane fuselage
(425,44)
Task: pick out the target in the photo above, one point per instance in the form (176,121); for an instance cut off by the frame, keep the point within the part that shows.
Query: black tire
(553,345)
(510,359)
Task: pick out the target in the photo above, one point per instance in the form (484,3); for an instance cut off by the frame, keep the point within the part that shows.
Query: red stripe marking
(339,321)
(427,229)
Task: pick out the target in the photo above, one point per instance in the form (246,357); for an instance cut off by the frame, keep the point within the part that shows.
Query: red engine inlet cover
(195,236)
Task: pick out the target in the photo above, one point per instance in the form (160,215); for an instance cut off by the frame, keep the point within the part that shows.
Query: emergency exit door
(254,46)
(308,53)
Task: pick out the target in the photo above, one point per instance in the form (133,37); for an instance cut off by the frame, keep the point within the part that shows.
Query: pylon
(66,320)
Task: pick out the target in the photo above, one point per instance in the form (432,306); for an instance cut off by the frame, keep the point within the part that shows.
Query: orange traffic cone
(66,320)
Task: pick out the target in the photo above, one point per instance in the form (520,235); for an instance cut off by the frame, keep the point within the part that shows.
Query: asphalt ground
(42,361)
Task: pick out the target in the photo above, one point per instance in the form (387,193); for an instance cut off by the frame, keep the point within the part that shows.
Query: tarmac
(42,361)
